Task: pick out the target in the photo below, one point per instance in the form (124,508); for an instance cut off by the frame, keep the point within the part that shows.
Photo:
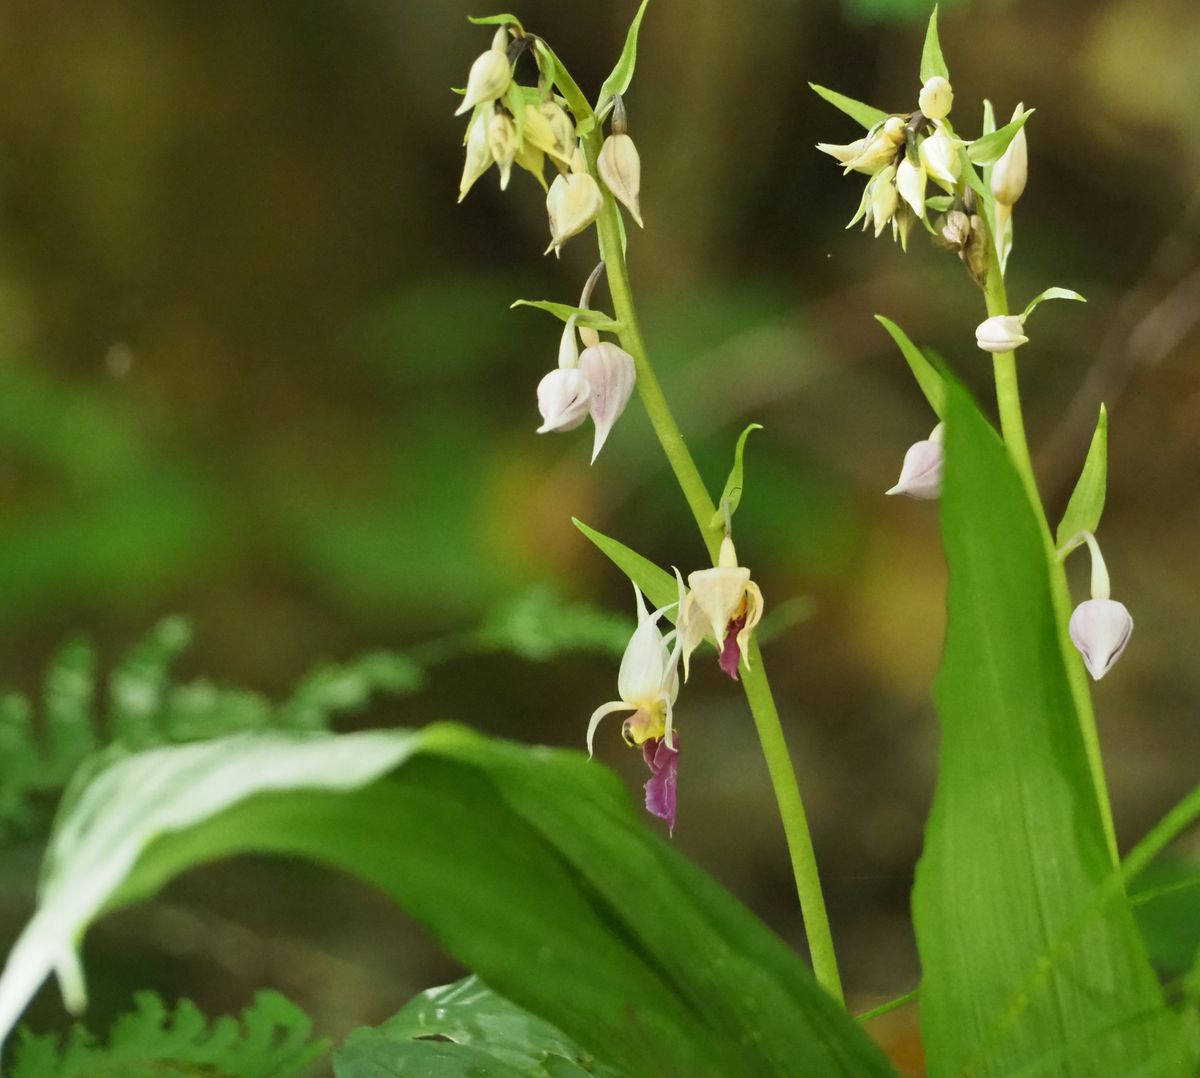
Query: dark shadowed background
(257,368)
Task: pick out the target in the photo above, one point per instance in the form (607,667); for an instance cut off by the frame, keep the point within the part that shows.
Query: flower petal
(1100,629)
(598,714)
(612,374)
(663,762)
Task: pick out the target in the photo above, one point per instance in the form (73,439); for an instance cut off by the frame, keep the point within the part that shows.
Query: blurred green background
(257,367)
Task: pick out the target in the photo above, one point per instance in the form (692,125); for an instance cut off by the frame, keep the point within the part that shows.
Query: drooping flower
(921,473)
(564,397)
(1000,333)
(943,163)
(479,155)
(621,171)
(1100,629)
(910,183)
(573,203)
(663,761)
(724,604)
(489,77)
(648,682)
(612,374)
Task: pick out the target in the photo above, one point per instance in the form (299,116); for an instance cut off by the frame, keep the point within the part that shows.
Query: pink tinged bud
(621,171)
(563,397)
(921,473)
(572,204)
(1100,629)
(663,762)
(489,78)
(612,375)
(1000,333)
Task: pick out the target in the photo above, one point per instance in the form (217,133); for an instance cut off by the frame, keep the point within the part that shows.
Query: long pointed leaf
(1086,506)
(867,115)
(1025,946)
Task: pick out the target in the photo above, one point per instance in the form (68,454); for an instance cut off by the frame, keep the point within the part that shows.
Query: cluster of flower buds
(1100,627)
(962,230)
(921,473)
(901,154)
(721,604)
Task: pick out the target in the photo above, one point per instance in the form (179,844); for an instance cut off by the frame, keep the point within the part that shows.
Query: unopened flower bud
(884,198)
(1000,333)
(563,397)
(479,155)
(573,203)
(910,183)
(921,473)
(956,229)
(489,78)
(502,140)
(563,129)
(1100,629)
(612,374)
(939,154)
(936,98)
(1010,172)
(621,171)
(975,254)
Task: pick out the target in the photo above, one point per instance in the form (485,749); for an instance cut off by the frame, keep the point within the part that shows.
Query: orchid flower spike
(648,682)
(724,603)
(1100,627)
(921,473)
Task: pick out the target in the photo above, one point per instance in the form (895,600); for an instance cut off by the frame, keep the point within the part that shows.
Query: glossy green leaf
(928,377)
(622,74)
(473,1026)
(932,62)
(867,115)
(659,586)
(584,316)
(1026,946)
(530,866)
(496,20)
(1050,293)
(988,149)
(731,496)
(1087,499)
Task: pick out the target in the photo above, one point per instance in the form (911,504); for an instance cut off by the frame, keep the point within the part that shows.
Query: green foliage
(932,62)
(1050,293)
(272,1039)
(1086,506)
(496,20)
(584,316)
(988,149)
(450,1029)
(539,626)
(731,495)
(530,866)
(929,378)
(622,74)
(1027,947)
(867,115)
(659,586)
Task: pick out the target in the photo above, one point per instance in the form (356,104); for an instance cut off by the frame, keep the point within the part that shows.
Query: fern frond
(272,1039)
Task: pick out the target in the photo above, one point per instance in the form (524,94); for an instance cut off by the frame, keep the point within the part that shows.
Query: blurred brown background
(257,367)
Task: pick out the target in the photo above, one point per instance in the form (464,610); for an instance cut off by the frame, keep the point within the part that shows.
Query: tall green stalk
(754,680)
(1012,426)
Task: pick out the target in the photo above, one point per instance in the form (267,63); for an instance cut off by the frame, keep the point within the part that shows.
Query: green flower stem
(1012,426)
(754,682)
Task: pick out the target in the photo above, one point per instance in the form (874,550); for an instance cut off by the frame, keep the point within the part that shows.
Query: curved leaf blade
(659,586)
(731,495)
(928,377)
(1015,840)
(932,61)
(584,316)
(988,149)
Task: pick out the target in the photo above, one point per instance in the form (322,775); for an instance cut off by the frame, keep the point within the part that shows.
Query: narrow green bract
(585,317)
(867,115)
(1087,499)
(930,380)
(622,74)
(658,586)
(731,495)
(1031,962)
(988,149)
(932,61)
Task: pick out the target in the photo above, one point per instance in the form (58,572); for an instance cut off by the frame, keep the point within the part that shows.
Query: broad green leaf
(584,316)
(867,115)
(659,586)
(988,149)
(1026,946)
(622,74)
(1050,293)
(732,494)
(472,1025)
(496,20)
(1087,499)
(932,62)
(932,384)
(530,866)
